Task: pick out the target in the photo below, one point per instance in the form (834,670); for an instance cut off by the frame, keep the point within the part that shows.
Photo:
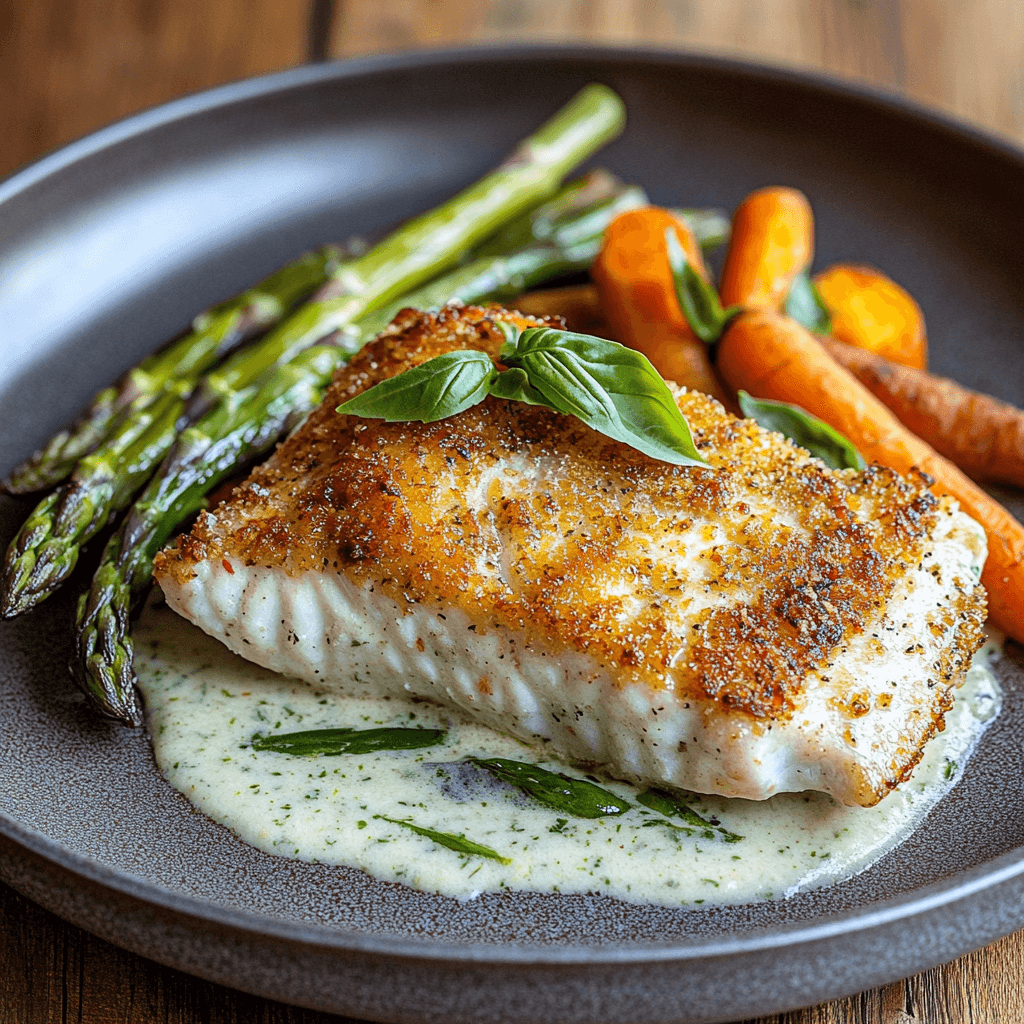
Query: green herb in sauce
(562,792)
(323,809)
(328,742)
(460,844)
(673,806)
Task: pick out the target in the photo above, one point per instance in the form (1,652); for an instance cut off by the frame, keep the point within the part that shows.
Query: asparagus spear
(104,669)
(214,332)
(433,242)
(204,454)
(45,550)
(410,255)
(573,242)
(52,463)
(491,278)
(39,560)
(540,223)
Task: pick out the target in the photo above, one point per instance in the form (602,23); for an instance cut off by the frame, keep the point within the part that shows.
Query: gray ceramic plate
(112,244)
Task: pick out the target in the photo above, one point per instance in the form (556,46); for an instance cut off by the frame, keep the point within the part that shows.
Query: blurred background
(69,67)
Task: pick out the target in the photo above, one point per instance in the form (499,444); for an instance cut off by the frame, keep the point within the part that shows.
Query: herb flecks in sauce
(342,809)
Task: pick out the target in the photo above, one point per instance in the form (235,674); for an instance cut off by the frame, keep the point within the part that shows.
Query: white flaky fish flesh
(765,625)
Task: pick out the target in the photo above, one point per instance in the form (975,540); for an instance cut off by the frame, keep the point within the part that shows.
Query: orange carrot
(772,356)
(983,436)
(579,305)
(772,242)
(873,312)
(637,289)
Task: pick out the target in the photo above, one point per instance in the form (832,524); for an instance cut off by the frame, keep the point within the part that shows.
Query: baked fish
(765,625)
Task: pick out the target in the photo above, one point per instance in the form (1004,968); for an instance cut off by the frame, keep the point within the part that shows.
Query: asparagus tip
(31,579)
(17,592)
(17,486)
(108,689)
(14,603)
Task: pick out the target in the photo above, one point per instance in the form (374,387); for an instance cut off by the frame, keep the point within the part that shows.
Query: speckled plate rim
(938,895)
(959,887)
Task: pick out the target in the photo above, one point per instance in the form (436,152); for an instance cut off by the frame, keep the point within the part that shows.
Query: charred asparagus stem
(214,332)
(204,454)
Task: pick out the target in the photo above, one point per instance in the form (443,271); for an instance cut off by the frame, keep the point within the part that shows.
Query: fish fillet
(766,625)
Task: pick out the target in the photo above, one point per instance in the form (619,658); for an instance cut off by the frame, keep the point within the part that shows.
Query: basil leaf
(821,440)
(562,792)
(460,844)
(434,390)
(609,387)
(697,299)
(805,305)
(511,335)
(667,804)
(673,806)
(514,385)
(329,742)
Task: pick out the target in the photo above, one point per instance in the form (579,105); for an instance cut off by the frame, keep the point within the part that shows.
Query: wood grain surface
(69,66)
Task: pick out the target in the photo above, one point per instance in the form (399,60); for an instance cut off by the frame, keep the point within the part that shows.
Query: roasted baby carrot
(873,312)
(772,356)
(772,243)
(638,294)
(983,436)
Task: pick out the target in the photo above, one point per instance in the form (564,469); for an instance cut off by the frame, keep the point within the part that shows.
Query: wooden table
(70,67)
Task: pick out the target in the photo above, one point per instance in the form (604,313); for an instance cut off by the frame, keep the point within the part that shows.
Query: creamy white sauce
(204,706)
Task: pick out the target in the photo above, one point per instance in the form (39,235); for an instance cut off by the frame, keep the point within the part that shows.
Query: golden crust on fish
(749,595)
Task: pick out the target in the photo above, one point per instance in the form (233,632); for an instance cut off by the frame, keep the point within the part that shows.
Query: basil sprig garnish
(460,844)
(697,299)
(613,389)
(330,742)
(821,440)
(562,792)
(806,306)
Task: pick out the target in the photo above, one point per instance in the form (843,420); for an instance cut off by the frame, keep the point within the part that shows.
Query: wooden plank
(54,973)
(73,66)
(968,59)
(962,56)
